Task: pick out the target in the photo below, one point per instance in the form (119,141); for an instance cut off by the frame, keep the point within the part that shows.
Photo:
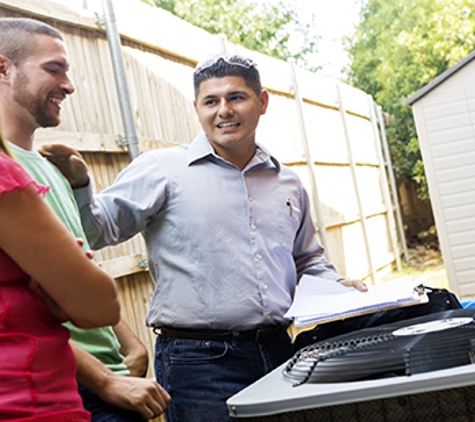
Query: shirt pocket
(288,220)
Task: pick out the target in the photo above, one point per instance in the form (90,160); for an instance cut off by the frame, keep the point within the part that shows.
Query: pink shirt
(37,366)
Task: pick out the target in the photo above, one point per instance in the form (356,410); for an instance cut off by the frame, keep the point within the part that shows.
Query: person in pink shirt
(45,279)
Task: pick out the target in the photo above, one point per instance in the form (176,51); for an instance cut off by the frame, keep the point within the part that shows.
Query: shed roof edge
(439,79)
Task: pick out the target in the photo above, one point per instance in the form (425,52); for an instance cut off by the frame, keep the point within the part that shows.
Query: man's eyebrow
(207,97)
(57,63)
(227,94)
(236,92)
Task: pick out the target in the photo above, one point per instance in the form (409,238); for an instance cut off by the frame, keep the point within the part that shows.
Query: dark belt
(259,335)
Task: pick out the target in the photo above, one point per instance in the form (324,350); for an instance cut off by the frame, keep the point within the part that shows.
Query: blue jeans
(201,375)
(104,412)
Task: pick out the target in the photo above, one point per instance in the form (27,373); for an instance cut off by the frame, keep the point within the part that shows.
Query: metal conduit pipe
(131,139)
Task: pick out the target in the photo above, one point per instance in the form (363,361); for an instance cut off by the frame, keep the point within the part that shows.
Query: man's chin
(48,122)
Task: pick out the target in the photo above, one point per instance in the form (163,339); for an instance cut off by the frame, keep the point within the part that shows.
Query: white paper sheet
(322,300)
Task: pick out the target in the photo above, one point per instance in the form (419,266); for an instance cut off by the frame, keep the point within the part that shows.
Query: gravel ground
(425,260)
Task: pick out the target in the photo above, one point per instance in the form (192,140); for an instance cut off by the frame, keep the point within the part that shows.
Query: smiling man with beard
(34,82)
(39,82)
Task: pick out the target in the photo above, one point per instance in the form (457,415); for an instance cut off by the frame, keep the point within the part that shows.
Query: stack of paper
(320,300)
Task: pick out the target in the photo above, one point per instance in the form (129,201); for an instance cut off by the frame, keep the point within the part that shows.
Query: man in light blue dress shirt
(229,234)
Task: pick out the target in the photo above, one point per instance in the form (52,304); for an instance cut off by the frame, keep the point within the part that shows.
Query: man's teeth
(224,125)
(55,100)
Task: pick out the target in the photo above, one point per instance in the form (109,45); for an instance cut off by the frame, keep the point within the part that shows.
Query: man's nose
(225,108)
(67,86)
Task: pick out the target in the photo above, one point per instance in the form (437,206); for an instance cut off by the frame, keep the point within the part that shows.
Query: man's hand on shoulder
(143,395)
(357,284)
(68,161)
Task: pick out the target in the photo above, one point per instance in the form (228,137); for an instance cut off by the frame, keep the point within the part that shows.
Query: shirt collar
(200,148)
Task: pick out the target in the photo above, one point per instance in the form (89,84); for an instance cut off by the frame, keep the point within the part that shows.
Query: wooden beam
(93,142)
(126,265)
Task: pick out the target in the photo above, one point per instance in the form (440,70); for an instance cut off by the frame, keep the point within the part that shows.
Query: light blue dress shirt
(226,247)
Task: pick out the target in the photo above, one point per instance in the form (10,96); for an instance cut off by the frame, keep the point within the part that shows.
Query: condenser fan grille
(437,341)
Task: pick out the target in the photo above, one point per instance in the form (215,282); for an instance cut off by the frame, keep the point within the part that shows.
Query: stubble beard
(33,104)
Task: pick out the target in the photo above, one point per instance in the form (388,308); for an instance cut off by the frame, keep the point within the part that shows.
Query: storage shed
(444,112)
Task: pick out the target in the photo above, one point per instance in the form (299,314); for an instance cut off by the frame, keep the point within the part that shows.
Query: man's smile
(228,124)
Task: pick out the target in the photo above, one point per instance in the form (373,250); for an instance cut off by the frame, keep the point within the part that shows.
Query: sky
(331,20)
(334,19)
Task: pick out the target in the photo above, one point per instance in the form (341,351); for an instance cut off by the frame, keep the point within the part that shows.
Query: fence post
(355,183)
(392,182)
(384,183)
(223,43)
(316,205)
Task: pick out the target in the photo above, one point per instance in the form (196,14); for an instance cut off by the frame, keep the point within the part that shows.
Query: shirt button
(249,198)
(269,317)
(253,227)
(265,286)
(259,256)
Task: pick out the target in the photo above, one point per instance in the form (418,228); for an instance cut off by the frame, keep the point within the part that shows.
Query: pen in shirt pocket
(289,204)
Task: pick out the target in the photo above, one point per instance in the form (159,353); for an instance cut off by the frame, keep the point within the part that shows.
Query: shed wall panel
(445,121)
(455,147)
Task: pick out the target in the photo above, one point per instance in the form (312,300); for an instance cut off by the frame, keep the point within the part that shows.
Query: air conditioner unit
(414,370)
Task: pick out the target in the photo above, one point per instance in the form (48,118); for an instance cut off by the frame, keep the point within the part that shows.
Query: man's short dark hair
(223,65)
(16,41)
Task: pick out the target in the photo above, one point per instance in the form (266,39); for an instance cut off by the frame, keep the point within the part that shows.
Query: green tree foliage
(398,47)
(265,27)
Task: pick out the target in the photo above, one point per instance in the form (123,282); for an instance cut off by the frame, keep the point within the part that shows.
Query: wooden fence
(329,134)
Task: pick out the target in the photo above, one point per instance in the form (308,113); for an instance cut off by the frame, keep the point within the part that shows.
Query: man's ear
(264,100)
(5,67)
